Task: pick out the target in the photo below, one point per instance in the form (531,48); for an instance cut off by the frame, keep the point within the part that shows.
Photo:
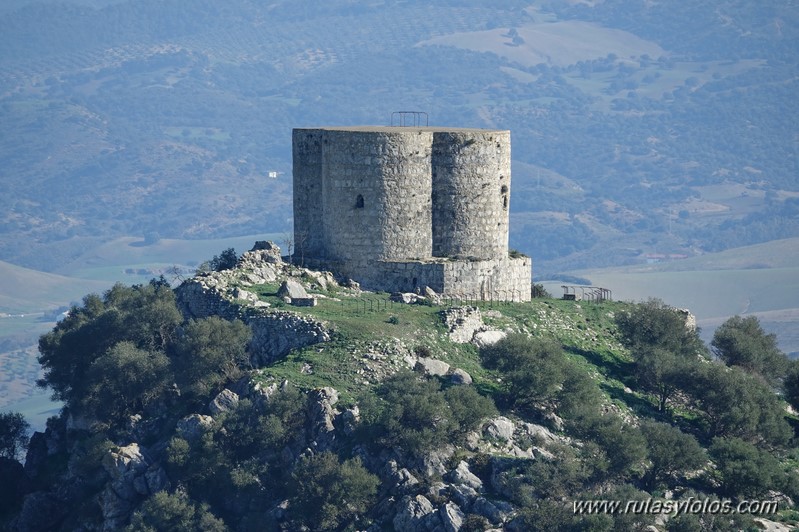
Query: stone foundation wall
(508,279)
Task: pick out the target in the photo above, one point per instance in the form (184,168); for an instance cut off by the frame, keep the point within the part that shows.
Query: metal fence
(385,304)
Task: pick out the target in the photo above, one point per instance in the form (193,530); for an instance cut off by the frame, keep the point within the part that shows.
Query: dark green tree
(736,403)
(144,315)
(620,449)
(13,435)
(744,470)
(410,413)
(538,291)
(124,381)
(708,521)
(251,429)
(664,347)
(741,341)
(210,352)
(224,261)
(670,452)
(790,385)
(328,494)
(468,407)
(655,324)
(533,369)
(662,373)
(174,511)
(545,515)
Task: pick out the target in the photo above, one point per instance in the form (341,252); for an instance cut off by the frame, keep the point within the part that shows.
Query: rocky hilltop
(274,397)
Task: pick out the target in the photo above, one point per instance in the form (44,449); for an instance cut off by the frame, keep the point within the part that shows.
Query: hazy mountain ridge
(157,109)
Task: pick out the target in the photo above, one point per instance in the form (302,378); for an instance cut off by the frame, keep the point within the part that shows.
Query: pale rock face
(433,367)
(488,337)
(125,460)
(133,476)
(293,289)
(501,428)
(225,401)
(411,514)
(194,426)
(460,376)
(463,475)
(452,517)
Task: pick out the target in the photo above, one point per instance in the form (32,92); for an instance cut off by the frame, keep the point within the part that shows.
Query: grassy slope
(372,337)
(762,280)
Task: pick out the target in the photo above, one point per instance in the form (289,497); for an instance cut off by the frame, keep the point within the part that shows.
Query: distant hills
(23,290)
(637,128)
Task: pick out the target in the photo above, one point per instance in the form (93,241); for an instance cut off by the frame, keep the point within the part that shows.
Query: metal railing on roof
(409,118)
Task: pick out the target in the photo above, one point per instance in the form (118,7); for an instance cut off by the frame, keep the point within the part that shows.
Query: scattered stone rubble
(465,324)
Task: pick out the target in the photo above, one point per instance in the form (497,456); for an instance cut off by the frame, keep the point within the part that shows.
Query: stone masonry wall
(506,279)
(377,194)
(471,193)
(309,229)
(399,208)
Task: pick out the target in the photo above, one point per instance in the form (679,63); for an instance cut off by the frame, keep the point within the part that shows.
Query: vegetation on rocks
(501,418)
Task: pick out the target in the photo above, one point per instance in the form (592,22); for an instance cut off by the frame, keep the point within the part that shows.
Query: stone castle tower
(401,208)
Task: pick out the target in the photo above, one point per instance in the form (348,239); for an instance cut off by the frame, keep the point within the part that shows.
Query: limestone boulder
(321,415)
(293,289)
(432,367)
(412,514)
(452,517)
(488,337)
(267,251)
(460,377)
(225,401)
(500,428)
(194,426)
(463,475)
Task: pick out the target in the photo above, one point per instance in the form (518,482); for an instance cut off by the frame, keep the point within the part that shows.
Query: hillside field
(762,280)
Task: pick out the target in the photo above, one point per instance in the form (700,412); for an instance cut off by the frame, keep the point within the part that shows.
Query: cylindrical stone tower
(403,208)
(377,196)
(309,227)
(373,193)
(471,193)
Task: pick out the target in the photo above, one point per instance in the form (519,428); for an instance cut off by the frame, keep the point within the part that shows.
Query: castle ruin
(401,208)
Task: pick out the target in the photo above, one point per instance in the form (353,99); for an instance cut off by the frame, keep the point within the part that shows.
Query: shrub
(532,368)
(745,470)
(176,512)
(743,342)
(669,451)
(13,435)
(468,407)
(328,494)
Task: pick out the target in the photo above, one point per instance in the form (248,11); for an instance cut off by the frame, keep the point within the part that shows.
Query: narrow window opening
(504,202)
(359,202)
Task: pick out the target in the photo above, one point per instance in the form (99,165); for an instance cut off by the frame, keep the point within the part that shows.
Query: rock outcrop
(133,475)
(274,332)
